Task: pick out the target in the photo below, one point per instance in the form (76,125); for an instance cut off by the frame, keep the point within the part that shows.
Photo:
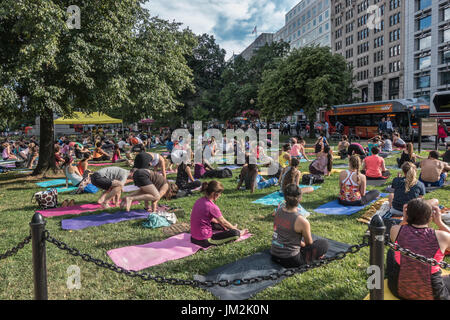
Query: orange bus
(363,118)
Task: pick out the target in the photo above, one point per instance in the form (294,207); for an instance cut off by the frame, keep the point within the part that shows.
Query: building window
(423,62)
(424,23)
(446,14)
(446,35)
(424,43)
(423,82)
(394,88)
(445,78)
(378,91)
(422,4)
(364,94)
(445,56)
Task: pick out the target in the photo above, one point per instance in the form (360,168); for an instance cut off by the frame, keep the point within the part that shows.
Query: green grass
(345,279)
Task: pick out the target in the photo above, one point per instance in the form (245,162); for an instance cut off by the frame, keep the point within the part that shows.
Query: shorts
(101,182)
(141,178)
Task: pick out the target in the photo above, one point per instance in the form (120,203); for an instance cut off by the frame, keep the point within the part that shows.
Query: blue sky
(230,21)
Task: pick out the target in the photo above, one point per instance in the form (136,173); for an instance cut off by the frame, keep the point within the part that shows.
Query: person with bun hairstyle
(292,243)
(352,184)
(410,279)
(206,217)
(323,165)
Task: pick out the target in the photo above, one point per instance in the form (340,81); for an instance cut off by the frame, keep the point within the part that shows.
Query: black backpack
(310,179)
(225,173)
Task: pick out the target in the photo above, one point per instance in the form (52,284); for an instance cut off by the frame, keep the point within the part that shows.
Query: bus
(362,119)
(440,106)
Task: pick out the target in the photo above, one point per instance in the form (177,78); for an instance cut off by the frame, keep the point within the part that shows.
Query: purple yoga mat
(96,220)
(56,212)
(136,258)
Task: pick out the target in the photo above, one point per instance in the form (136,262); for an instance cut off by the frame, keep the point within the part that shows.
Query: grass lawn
(345,279)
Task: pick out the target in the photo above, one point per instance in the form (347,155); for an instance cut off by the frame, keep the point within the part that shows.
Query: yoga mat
(64,189)
(257,265)
(52,183)
(101,164)
(96,220)
(376,183)
(341,166)
(334,208)
(232,167)
(74,210)
(136,258)
(274,199)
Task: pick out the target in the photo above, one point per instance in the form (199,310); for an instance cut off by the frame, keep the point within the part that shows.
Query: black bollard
(37,226)
(377,238)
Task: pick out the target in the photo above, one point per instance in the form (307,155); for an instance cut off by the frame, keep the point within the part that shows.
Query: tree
(241,79)
(309,78)
(121,60)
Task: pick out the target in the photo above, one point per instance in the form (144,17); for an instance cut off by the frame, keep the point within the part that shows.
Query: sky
(230,21)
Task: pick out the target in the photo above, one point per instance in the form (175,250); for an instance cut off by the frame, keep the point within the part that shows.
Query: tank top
(286,243)
(282,183)
(350,190)
(73,177)
(80,167)
(414,280)
(115,157)
(182,177)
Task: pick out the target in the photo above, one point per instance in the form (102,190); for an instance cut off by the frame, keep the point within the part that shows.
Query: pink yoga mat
(136,258)
(100,164)
(74,210)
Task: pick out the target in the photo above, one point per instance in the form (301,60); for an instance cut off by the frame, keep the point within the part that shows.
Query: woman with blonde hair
(408,155)
(352,184)
(406,189)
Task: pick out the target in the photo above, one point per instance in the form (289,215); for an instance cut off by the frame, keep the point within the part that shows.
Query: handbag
(46,199)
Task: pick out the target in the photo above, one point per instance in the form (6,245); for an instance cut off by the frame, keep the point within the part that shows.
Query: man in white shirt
(389,126)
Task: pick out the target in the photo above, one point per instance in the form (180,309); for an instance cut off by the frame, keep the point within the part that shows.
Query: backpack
(310,179)
(225,173)
(46,199)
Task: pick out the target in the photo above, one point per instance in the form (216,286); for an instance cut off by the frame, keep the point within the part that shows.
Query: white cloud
(227,20)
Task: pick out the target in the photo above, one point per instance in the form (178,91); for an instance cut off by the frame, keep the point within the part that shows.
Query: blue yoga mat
(52,183)
(96,220)
(232,167)
(274,199)
(63,189)
(334,208)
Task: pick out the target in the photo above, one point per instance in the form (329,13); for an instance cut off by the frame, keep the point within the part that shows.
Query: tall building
(307,23)
(370,35)
(427,55)
(261,41)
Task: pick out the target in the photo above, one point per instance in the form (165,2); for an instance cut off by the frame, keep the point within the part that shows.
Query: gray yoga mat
(259,264)
(376,183)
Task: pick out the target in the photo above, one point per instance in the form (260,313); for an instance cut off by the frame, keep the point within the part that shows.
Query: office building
(261,41)
(427,53)
(370,35)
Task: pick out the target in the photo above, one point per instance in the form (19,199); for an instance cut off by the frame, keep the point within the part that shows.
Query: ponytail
(355,163)
(409,170)
(212,187)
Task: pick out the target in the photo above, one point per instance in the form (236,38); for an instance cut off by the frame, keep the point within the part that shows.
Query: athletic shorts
(101,182)
(141,178)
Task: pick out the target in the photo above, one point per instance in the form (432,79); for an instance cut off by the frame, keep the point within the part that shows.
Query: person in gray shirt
(111,180)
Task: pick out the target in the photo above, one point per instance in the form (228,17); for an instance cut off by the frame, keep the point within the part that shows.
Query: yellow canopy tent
(83,118)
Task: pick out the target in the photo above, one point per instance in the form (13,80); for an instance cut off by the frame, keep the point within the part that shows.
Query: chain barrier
(195,283)
(15,249)
(406,252)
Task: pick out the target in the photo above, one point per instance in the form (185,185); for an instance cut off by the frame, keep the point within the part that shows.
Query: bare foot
(123,203)
(105,205)
(244,232)
(128,202)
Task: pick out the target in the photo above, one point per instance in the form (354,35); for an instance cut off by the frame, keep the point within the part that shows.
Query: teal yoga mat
(63,189)
(52,183)
(274,199)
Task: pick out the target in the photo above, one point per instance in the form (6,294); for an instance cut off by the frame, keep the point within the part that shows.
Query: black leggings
(384,175)
(218,238)
(102,158)
(368,198)
(307,254)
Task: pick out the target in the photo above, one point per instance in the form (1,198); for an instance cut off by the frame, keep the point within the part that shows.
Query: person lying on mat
(408,155)
(324,162)
(206,217)
(71,172)
(111,180)
(152,187)
(374,167)
(292,243)
(353,185)
(342,147)
(410,279)
(434,171)
(406,189)
(99,154)
(291,175)
(150,160)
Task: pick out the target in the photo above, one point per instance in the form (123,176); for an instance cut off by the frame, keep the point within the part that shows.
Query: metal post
(420,135)
(377,236)
(37,226)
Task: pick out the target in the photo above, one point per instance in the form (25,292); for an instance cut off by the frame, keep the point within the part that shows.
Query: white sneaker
(446,218)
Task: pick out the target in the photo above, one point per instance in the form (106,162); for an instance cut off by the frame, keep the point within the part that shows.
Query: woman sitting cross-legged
(407,189)
(414,280)
(206,217)
(408,155)
(374,167)
(292,243)
(353,185)
(71,172)
(253,180)
(185,180)
(291,175)
(324,162)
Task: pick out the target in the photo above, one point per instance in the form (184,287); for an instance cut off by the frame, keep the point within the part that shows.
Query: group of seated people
(26,152)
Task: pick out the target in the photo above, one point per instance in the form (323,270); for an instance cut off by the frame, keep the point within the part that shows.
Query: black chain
(417,257)
(15,249)
(195,283)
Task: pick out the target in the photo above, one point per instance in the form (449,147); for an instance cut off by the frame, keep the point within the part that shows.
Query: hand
(436,215)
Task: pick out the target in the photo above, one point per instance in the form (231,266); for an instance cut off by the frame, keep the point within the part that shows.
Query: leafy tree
(242,78)
(121,61)
(308,79)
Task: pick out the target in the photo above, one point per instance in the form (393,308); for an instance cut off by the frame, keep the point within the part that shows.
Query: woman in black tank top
(288,249)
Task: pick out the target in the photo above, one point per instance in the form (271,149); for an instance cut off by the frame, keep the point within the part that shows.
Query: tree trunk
(46,145)
(312,132)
